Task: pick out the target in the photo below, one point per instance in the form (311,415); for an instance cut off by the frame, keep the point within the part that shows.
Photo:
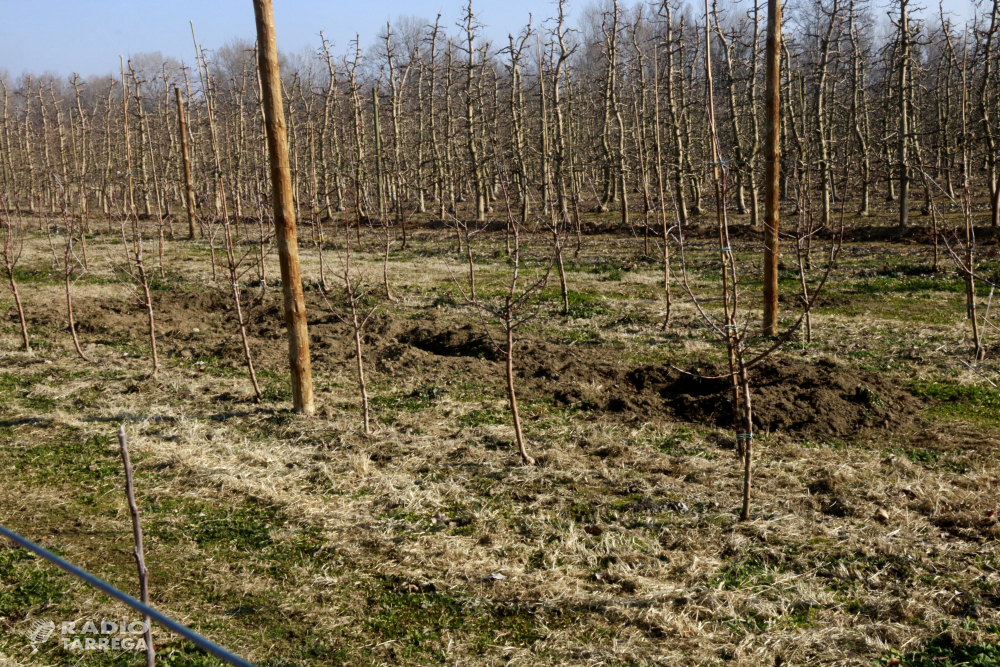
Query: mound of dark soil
(921,233)
(789,396)
(792,396)
(824,300)
(912,234)
(465,341)
(176,314)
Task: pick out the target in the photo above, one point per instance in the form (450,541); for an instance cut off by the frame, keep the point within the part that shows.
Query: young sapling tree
(129,266)
(13,231)
(355,309)
(514,305)
(724,326)
(73,271)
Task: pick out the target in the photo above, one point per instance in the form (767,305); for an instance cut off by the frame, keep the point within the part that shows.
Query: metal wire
(165,621)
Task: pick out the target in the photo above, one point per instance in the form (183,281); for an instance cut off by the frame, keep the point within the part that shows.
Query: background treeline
(602,112)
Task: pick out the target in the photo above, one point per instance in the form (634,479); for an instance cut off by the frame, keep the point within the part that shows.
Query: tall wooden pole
(772,167)
(188,187)
(284,209)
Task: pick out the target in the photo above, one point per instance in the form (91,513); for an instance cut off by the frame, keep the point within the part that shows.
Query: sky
(67,36)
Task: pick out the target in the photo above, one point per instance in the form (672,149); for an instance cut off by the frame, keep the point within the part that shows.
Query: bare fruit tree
(12,244)
(73,270)
(355,308)
(731,326)
(128,262)
(509,310)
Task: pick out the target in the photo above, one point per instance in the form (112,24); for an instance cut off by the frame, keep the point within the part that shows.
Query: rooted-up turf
(822,398)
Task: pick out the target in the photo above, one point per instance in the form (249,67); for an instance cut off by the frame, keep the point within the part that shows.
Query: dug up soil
(790,396)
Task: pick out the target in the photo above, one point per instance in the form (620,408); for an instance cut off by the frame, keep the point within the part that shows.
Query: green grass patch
(581,336)
(744,571)
(482,417)
(679,443)
(418,399)
(585,309)
(906,283)
(40,403)
(27,581)
(11,383)
(971,402)
(923,455)
(38,275)
(446,300)
(67,458)
(674,444)
(243,527)
(924,307)
(276,392)
(942,653)
(420,619)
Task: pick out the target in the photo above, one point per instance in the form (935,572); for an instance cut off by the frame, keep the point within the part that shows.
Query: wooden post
(284,209)
(188,187)
(772,167)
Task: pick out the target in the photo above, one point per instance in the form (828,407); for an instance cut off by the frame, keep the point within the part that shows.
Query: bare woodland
(610,115)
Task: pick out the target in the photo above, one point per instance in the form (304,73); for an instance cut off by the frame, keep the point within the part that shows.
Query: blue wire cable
(165,621)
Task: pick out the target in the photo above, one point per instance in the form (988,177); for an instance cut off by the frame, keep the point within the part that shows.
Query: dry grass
(303,541)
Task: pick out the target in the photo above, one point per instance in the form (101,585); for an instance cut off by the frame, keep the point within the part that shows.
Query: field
(300,540)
